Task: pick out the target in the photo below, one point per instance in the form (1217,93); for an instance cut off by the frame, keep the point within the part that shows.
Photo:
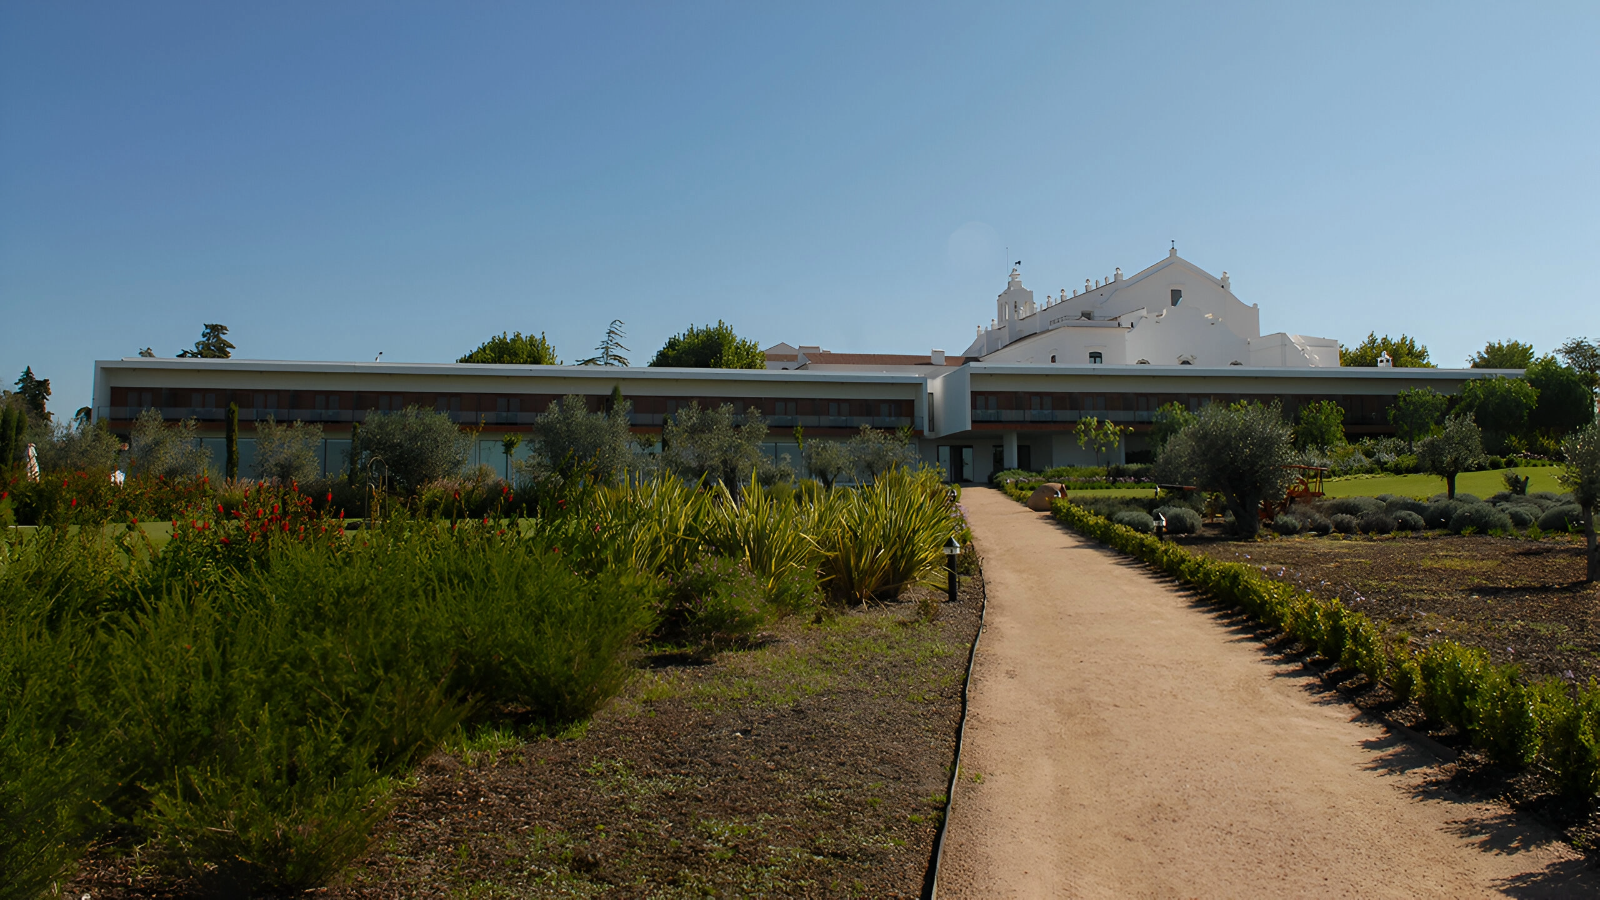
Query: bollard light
(1161,527)
(952,549)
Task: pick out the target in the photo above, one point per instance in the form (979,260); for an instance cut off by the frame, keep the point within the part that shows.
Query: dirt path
(1125,742)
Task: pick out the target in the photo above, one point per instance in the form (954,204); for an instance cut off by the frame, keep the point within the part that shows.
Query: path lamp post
(952,549)
(1161,527)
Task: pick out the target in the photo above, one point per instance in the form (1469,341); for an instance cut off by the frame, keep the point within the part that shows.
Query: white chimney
(937,357)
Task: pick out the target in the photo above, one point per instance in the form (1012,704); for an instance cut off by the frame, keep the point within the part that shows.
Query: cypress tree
(616,398)
(231,439)
(6,441)
(355,452)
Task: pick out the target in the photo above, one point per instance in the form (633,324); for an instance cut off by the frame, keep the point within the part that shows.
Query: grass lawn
(1482,484)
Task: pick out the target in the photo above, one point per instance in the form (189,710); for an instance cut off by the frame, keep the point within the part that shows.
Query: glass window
(1177,294)
(1095,358)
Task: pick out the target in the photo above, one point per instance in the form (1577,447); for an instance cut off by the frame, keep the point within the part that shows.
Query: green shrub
(1482,518)
(1502,717)
(1138,521)
(714,604)
(1452,676)
(1406,520)
(1439,514)
(1405,504)
(1569,737)
(1316,523)
(1180,519)
(1377,522)
(1566,517)
(1352,506)
(1522,516)
(1345,523)
(1286,524)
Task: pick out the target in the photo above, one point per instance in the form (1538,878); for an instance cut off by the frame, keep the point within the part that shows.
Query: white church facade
(1171,314)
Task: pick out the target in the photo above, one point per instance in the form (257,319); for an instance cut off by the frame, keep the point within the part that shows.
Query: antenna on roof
(379,357)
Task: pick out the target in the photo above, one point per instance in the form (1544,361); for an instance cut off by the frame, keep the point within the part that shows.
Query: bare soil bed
(1523,601)
(813,765)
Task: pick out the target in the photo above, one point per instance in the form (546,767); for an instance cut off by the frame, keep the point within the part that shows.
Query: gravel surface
(1125,739)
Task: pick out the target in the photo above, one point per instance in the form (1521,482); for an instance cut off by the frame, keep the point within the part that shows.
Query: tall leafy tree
(35,392)
(1237,450)
(711,347)
(1500,406)
(516,350)
(1417,412)
(1503,355)
(1583,355)
(1405,352)
(1320,425)
(213,344)
(1565,403)
(1457,448)
(710,444)
(1170,418)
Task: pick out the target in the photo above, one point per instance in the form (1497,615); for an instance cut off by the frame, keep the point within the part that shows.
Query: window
(886,411)
(783,408)
(508,404)
(266,401)
(1177,294)
(1185,362)
(195,400)
(1041,403)
(211,401)
(333,401)
(837,409)
(1095,358)
(982,402)
(1052,357)
(391,402)
(447,404)
(322,401)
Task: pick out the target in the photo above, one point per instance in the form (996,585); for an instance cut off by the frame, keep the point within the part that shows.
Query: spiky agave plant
(769,531)
(878,540)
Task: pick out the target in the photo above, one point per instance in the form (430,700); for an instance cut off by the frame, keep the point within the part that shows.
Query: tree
(414,446)
(1581,475)
(606,354)
(1500,406)
(1404,352)
(8,449)
(1584,356)
(711,347)
(166,451)
(515,350)
(827,460)
(83,446)
(1506,355)
(352,457)
(230,442)
(1170,418)
(1457,448)
(1101,434)
(706,443)
(35,393)
(212,344)
(1416,413)
(1320,425)
(287,453)
(573,442)
(1237,450)
(876,452)
(509,443)
(1565,402)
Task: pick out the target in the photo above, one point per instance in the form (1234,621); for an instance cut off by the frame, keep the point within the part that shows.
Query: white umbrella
(33,463)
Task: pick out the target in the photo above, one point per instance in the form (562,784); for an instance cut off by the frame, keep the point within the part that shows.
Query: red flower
(330,496)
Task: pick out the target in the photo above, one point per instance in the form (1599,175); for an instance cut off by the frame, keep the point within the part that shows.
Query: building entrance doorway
(956,463)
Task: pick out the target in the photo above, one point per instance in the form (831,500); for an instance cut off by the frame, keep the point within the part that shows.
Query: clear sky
(334,179)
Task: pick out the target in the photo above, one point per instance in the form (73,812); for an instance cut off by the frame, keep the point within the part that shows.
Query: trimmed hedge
(1546,723)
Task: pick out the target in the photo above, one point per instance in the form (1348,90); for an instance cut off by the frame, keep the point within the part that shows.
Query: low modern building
(1120,350)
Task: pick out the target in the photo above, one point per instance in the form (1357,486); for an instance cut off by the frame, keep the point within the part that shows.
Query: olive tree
(1239,451)
(287,452)
(80,447)
(170,451)
(1457,448)
(1581,475)
(1170,418)
(876,452)
(827,461)
(709,444)
(570,440)
(412,446)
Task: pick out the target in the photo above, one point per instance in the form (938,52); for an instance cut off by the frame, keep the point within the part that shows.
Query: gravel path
(1123,741)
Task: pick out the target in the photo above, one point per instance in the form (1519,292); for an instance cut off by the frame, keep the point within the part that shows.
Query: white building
(1171,314)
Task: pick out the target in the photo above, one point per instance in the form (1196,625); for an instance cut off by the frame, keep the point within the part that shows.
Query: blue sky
(332,180)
